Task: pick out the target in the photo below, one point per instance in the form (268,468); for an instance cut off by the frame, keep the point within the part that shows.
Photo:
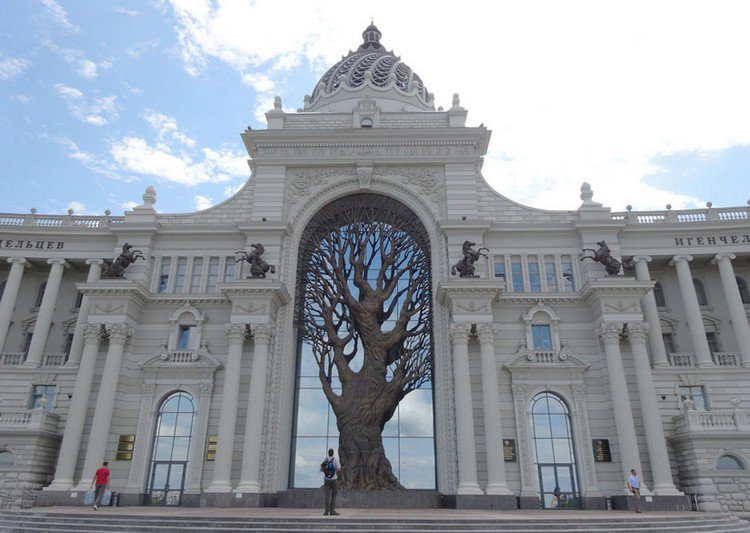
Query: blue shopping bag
(106,498)
(88,499)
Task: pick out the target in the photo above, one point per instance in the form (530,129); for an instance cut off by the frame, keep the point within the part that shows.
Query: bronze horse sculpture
(465,267)
(258,267)
(604,256)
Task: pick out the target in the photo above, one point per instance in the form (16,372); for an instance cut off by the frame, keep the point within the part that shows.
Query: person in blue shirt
(634,486)
(331,470)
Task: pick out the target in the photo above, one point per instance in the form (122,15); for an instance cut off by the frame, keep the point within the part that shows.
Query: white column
(46,309)
(228,416)
(76,347)
(71,441)
(493,429)
(8,302)
(105,403)
(626,439)
(655,442)
(692,310)
(735,305)
(467,455)
(650,312)
(250,479)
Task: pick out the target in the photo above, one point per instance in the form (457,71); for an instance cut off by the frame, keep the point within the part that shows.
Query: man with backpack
(331,469)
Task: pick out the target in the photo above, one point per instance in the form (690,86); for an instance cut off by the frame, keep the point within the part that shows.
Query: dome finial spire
(371,37)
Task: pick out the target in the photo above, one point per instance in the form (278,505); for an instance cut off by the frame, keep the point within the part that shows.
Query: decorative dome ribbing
(371,63)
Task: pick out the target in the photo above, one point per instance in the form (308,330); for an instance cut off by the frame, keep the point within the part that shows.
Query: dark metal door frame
(161,495)
(566,496)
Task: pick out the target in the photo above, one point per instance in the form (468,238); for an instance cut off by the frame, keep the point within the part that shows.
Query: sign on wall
(602,454)
(509,450)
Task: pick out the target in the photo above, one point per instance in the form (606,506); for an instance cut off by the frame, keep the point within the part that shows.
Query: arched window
(174,431)
(661,300)
(700,292)
(729,462)
(554,453)
(744,292)
(7,458)
(40,294)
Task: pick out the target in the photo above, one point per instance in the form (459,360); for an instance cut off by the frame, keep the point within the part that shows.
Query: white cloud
(128,206)
(233,189)
(12,67)
(79,208)
(139,48)
(573,91)
(90,70)
(60,16)
(125,11)
(92,162)
(167,129)
(202,202)
(97,111)
(21,98)
(259,82)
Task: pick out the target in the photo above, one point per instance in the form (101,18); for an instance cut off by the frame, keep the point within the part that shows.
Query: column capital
(486,333)
(237,332)
(610,332)
(723,255)
(460,332)
(95,261)
(262,332)
(118,333)
(638,331)
(92,333)
(683,257)
(19,260)
(58,261)
(639,258)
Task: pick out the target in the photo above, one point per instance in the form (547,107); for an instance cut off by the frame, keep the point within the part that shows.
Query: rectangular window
(535,279)
(229,269)
(697,393)
(179,280)
(42,391)
(550,274)
(542,337)
(213,274)
(668,339)
(27,345)
(567,272)
(164,275)
(500,268)
(516,272)
(713,342)
(197,275)
(183,343)
(68,345)
(79,298)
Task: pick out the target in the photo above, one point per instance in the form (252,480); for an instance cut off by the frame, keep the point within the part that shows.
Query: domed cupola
(370,71)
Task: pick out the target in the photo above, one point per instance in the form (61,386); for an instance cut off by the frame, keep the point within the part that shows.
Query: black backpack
(329,470)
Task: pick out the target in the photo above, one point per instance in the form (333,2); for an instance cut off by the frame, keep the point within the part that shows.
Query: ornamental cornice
(118,333)
(236,332)
(302,182)
(486,332)
(638,331)
(610,332)
(262,332)
(178,359)
(296,151)
(460,332)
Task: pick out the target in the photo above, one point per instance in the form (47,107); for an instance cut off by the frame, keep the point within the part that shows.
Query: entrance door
(167,482)
(560,476)
(554,451)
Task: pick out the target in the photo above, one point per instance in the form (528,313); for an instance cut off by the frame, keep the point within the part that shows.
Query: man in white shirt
(331,470)
(634,486)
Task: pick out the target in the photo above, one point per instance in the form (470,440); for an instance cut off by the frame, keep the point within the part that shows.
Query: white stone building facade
(647,368)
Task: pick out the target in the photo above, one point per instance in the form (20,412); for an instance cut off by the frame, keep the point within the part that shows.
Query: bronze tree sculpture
(364,307)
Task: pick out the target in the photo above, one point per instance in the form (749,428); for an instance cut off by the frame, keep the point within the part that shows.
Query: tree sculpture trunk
(365,296)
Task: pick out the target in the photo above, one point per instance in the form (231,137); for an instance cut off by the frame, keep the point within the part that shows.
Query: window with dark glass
(516,271)
(164,275)
(697,393)
(569,284)
(229,269)
(500,268)
(713,342)
(179,280)
(729,462)
(2,288)
(668,339)
(661,300)
(700,292)
(68,345)
(550,273)
(744,292)
(183,342)
(79,299)
(7,458)
(42,391)
(40,294)
(213,274)
(535,278)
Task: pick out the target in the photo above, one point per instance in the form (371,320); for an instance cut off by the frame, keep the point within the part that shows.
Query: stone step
(108,521)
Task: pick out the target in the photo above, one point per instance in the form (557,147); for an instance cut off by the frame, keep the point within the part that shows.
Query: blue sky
(646,101)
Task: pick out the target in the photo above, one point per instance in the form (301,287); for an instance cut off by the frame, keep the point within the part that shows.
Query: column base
(497,489)
(70,365)
(705,364)
(661,364)
(471,489)
(249,487)
(219,487)
(60,485)
(27,364)
(667,489)
(652,503)
(82,486)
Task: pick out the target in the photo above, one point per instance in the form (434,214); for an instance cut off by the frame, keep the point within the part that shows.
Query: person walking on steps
(331,470)
(634,486)
(100,484)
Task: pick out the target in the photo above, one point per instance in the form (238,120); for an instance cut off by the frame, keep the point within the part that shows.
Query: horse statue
(118,266)
(465,267)
(604,256)
(258,267)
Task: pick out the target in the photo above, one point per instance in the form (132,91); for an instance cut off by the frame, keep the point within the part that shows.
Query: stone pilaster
(105,402)
(467,458)
(493,430)
(46,309)
(692,310)
(735,305)
(228,417)
(626,439)
(657,446)
(76,347)
(71,442)
(8,301)
(250,478)
(651,313)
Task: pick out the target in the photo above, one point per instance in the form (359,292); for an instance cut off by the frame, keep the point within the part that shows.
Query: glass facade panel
(535,278)
(229,269)
(500,268)
(542,337)
(195,284)
(550,273)
(179,281)
(213,275)
(164,274)
(569,284)
(516,271)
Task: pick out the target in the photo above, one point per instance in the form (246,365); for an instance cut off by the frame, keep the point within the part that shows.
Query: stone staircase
(148,520)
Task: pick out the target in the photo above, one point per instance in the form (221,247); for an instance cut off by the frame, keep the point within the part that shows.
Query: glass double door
(167,482)
(557,475)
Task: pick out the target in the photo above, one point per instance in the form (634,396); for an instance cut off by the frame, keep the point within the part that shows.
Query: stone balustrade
(544,356)
(683,216)
(29,420)
(725,359)
(59,221)
(685,359)
(703,421)
(680,359)
(17,359)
